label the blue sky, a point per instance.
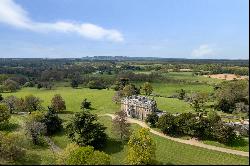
(156, 28)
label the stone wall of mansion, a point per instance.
(138, 106)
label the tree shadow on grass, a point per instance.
(8, 127)
(113, 146)
(238, 142)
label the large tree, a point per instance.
(141, 148)
(32, 103)
(57, 103)
(147, 88)
(198, 101)
(120, 125)
(84, 130)
(230, 93)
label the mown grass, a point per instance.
(170, 152)
(101, 100)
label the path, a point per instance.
(189, 142)
(53, 146)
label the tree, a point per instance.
(141, 148)
(84, 130)
(36, 130)
(10, 148)
(129, 90)
(32, 103)
(198, 101)
(152, 119)
(4, 113)
(213, 117)
(85, 104)
(74, 83)
(230, 93)
(147, 88)
(182, 94)
(88, 156)
(57, 103)
(10, 85)
(1, 97)
(166, 124)
(120, 125)
(224, 134)
(64, 155)
(11, 102)
(52, 122)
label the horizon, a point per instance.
(195, 29)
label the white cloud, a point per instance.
(203, 50)
(14, 15)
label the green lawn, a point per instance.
(170, 152)
(173, 105)
(101, 100)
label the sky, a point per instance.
(202, 29)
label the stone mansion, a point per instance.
(138, 106)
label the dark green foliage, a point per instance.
(181, 94)
(200, 127)
(52, 122)
(1, 97)
(85, 104)
(74, 83)
(84, 130)
(152, 119)
(230, 93)
(166, 124)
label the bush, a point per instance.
(52, 122)
(36, 131)
(224, 134)
(152, 119)
(10, 148)
(64, 155)
(166, 124)
(88, 156)
(85, 104)
(4, 113)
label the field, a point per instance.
(168, 152)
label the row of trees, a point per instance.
(210, 127)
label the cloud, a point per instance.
(14, 15)
(203, 50)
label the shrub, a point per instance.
(36, 130)
(152, 119)
(52, 122)
(10, 148)
(85, 104)
(88, 156)
(4, 113)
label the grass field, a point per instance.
(168, 152)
